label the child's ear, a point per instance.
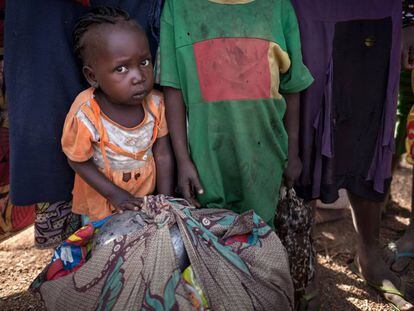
(90, 76)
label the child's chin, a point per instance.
(135, 101)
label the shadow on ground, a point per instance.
(335, 245)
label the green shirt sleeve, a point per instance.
(298, 77)
(167, 57)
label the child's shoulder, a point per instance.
(157, 98)
(155, 103)
(81, 102)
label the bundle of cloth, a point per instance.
(169, 256)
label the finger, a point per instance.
(192, 197)
(118, 210)
(137, 203)
(130, 205)
(186, 192)
(195, 203)
(195, 181)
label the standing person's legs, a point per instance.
(366, 215)
(404, 247)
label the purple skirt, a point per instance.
(352, 49)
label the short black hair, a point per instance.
(97, 16)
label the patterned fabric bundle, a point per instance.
(73, 252)
(237, 262)
(54, 223)
(293, 224)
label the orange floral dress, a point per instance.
(123, 154)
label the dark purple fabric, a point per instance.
(317, 19)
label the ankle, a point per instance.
(369, 249)
(368, 256)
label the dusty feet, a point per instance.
(374, 270)
(400, 254)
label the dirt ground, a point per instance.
(20, 262)
(335, 245)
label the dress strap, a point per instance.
(94, 113)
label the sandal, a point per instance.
(398, 302)
(398, 261)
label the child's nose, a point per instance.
(138, 77)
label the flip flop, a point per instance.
(394, 258)
(384, 290)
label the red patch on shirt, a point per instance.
(233, 68)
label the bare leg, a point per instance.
(366, 216)
(394, 163)
(406, 243)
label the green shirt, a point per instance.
(230, 62)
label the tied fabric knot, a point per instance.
(157, 208)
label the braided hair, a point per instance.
(97, 16)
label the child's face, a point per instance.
(119, 62)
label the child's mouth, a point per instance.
(139, 95)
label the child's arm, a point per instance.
(291, 121)
(119, 198)
(165, 165)
(188, 180)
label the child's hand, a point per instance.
(122, 200)
(189, 182)
(292, 171)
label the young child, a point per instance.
(225, 65)
(115, 135)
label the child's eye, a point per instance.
(121, 69)
(145, 62)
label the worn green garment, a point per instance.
(230, 62)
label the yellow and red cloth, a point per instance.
(72, 253)
(12, 218)
(409, 141)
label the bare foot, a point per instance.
(378, 275)
(404, 251)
